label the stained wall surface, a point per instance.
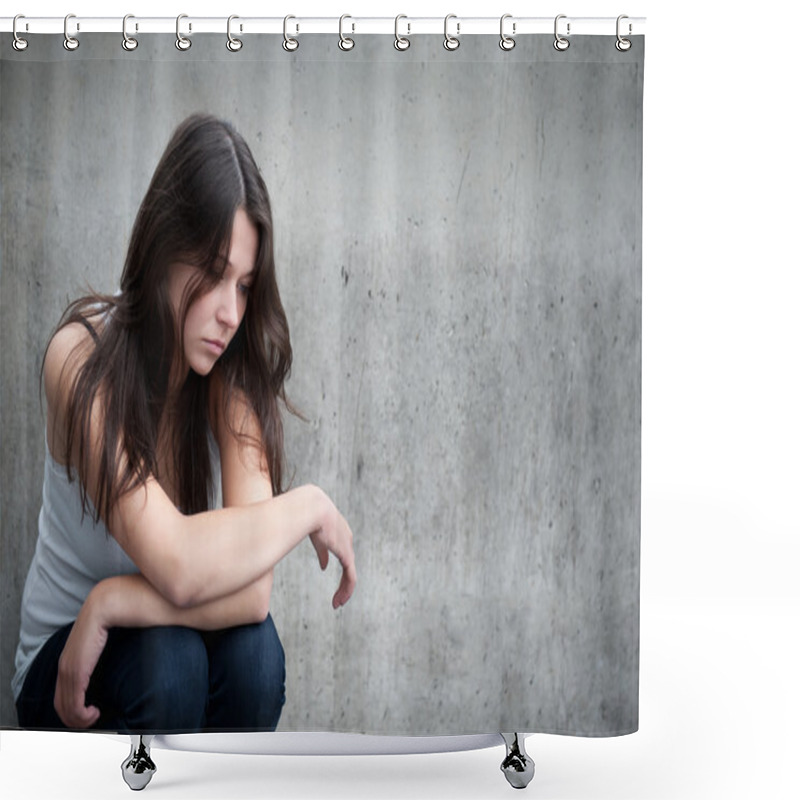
(458, 240)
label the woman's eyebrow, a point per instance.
(227, 263)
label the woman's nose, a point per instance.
(228, 308)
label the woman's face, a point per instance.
(214, 317)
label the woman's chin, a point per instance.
(202, 366)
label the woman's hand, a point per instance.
(335, 536)
(76, 665)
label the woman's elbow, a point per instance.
(180, 595)
(261, 599)
(259, 595)
(179, 586)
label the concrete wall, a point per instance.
(459, 246)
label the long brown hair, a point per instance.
(206, 173)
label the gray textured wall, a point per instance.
(458, 239)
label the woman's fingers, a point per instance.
(80, 655)
(347, 559)
(83, 716)
(70, 705)
(337, 538)
(347, 586)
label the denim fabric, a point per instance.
(169, 680)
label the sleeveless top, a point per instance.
(72, 555)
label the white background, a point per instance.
(720, 612)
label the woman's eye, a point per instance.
(244, 289)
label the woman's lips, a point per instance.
(215, 345)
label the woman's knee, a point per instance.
(255, 654)
(153, 679)
(247, 675)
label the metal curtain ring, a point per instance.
(289, 44)
(70, 42)
(622, 44)
(561, 43)
(345, 42)
(451, 42)
(400, 42)
(181, 42)
(19, 43)
(233, 44)
(128, 42)
(507, 42)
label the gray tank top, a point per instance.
(72, 555)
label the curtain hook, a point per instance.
(451, 42)
(561, 43)
(345, 43)
(128, 42)
(507, 42)
(289, 44)
(70, 42)
(181, 42)
(623, 44)
(233, 44)
(19, 43)
(400, 42)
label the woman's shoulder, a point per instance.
(66, 352)
(71, 339)
(72, 334)
(79, 329)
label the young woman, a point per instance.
(145, 608)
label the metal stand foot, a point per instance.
(138, 768)
(518, 766)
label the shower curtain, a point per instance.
(458, 245)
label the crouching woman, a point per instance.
(146, 607)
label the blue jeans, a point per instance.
(170, 680)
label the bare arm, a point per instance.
(191, 560)
(131, 601)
